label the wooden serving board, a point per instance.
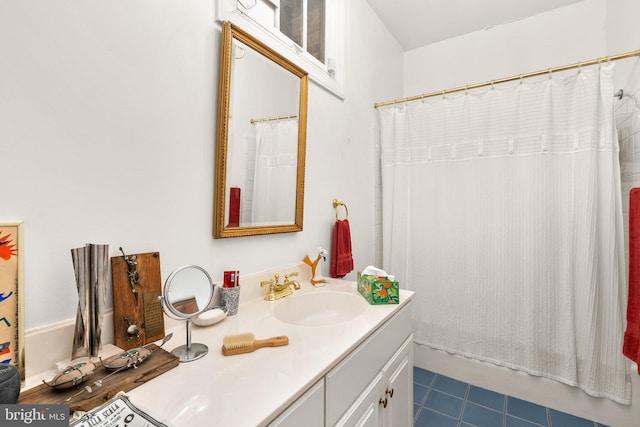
(144, 311)
(158, 363)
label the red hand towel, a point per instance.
(341, 257)
(631, 347)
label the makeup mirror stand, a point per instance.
(190, 351)
(187, 293)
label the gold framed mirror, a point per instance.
(261, 139)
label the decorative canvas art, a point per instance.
(11, 285)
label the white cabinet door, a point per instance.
(307, 411)
(366, 410)
(346, 381)
(398, 379)
(388, 399)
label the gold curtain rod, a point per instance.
(271, 119)
(512, 78)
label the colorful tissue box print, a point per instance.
(378, 289)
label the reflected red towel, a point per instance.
(631, 347)
(341, 257)
(234, 207)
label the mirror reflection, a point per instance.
(261, 139)
(187, 292)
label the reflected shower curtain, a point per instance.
(274, 183)
(502, 210)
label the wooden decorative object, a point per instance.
(137, 316)
(82, 400)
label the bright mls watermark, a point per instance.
(34, 415)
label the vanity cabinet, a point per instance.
(387, 352)
(387, 400)
(365, 411)
(371, 386)
(398, 387)
(307, 410)
(333, 373)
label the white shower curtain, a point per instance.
(274, 181)
(502, 210)
(627, 116)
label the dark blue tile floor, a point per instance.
(440, 401)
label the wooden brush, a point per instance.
(246, 343)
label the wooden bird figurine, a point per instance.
(314, 266)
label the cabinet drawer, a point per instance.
(350, 377)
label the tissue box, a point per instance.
(378, 289)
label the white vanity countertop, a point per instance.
(252, 389)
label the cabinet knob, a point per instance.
(389, 391)
(383, 402)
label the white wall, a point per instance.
(563, 36)
(578, 32)
(107, 130)
(623, 35)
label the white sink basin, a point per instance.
(319, 308)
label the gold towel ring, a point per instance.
(336, 204)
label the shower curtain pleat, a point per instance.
(502, 210)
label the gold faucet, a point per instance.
(293, 283)
(279, 290)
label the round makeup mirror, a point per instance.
(187, 292)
